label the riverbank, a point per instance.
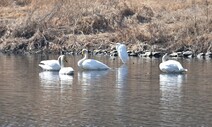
(37, 26)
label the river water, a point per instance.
(132, 95)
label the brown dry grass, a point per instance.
(69, 24)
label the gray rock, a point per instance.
(201, 55)
(148, 54)
(208, 54)
(188, 54)
(142, 55)
(133, 54)
(174, 54)
(156, 54)
(96, 52)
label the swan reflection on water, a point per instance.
(121, 83)
(49, 77)
(169, 81)
(121, 75)
(91, 77)
(52, 79)
(171, 84)
(171, 95)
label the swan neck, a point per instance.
(61, 61)
(59, 58)
(164, 58)
(83, 59)
(117, 46)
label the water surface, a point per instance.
(136, 94)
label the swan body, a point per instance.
(122, 52)
(65, 70)
(50, 65)
(171, 66)
(91, 64)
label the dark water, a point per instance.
(134, 95)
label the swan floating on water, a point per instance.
(122, 52)
(65, 70)
(171, 66)
(91, 64)
(50, 65)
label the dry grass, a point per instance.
(160, 24)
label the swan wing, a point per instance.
(52, 65)
(179, 65)
(91, 64)
(122, 53)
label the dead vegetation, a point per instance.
(70, 25)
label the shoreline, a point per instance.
(112, 52)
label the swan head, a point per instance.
(84, 51)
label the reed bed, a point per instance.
(70, 25)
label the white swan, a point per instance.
(65, 70)
(122, 52)
(50, 65)
(91, 64)
(171, 66)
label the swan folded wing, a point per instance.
(91, 64)
(122, 53)
(66, 71)
(179, 65)
(50, 65)
(171, 66)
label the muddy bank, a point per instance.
(68, 26)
